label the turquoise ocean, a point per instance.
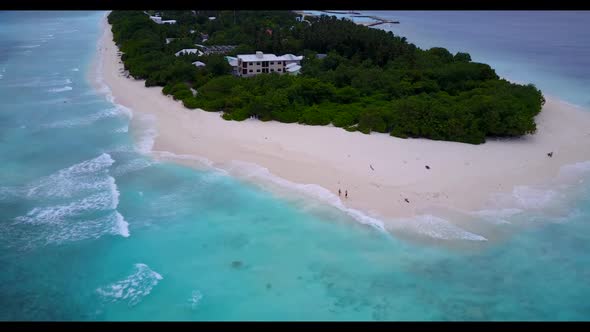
(93, 228)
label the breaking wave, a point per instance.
(133, 288)
(147, 134)
(91, 215)
(87, 175)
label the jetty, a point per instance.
(340, 12)
(351, 14)
(378, 20)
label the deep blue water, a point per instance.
(93, 229)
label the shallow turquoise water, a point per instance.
(91, 229)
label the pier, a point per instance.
(340, 12)
(375, 18)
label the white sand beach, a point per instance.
(379, 171)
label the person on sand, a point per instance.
(550, 154)
(339, 192)
(346, 194)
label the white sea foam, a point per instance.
(249, 170)
(87, 175)
(55, 224)
(59, 213)
(89, 179)
(28, 46)
(435, 227)
(134, 287)
(56, 233)
(62, 89)
(147, 134)
(75, 69)
(121, 226)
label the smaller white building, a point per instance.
(158, 20)
(187, 51)
(199, 64)
(233, 62)
(169, 40)
(293, 68)
(211, 18)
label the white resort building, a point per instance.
(253, 64)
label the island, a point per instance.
(431, 138)
(328, 71)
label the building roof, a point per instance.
(291, 57)
(259, 56)
(199, 64)
(292, 69)
(232, 61)
(189, 51)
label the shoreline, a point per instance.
(379, 171)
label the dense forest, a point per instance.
(370, 80)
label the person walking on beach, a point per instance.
(346, 194)
(339, 192)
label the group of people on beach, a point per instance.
(345, 193)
